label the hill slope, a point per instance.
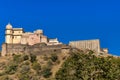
(81, 66)
(76, 65)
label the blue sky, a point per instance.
(66, 19)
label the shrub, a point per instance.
(25, 69)
(24, 77)
(49, 63)
(17, 58)
(25, 57)
(36, 66)
(54, 57)
(26, 63)
(11, 69)
(47, 73)
(32, 58)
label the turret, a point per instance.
(40, 32)
(8, 37)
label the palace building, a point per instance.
(19, 36)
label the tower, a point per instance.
(8, 34)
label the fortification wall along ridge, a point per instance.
(37, 49)
(87, 44)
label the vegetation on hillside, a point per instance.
(81, 66)
(76, 65)
(27, 67)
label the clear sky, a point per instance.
(66, 19)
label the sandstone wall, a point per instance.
(37, 49)
(87, 44)
(33, 39)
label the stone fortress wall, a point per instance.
(86, 44)
(93, 45)
(37, 49)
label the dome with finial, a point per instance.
(8, 26)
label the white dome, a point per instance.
(9, 26)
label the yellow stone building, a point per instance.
(19, 36)
(13, 35)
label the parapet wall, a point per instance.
(86, 44)
(37, 49)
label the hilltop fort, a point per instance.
(17, 41)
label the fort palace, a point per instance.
(18, 36)
(17, 41)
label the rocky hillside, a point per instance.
(76, 65)
(31, 67)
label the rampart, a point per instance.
(87, 44)
(37, 49)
